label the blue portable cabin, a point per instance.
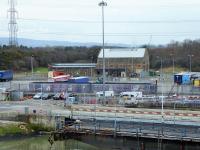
(183, 78)
(6, 75)
(178, 78)
(186, 78)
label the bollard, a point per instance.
(99, 126)
(115, 128)
(142, 146)
(119, 128)
(138, 139)
(182, 147)
(95, 126)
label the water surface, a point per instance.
(92, 143)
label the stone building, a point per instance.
(123, 62)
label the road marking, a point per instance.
(180, 114)
(125, 111)
(168, 113)
(135, 112)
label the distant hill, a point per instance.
(43, 43)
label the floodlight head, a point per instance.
(102, 4)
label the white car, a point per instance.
(37, 96)
(130, 94)
(162, 97)
(107, 94)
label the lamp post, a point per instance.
(172, 55)
(83, 94)
(102, 4)
(91, 67)
(161, 79)
(174, 111)
(32, 65)
(41, 95)
(95, 113)
(161, 61)
(115, 123)
(190, 57)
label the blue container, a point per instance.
(182, 78)
(178, 78)
(79, 80)
(6, 75)
(186, 79)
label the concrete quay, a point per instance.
(178, 125)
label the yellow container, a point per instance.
(197, 83)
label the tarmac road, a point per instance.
(46, 107)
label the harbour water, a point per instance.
(91, 143)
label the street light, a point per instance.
(32, 64)
(174, 111)
(161, 77)
(91, 67)
(172, 55)
(102, 4)
(84, 94)
(190, 57)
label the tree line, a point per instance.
(19, 58)
(180, 52)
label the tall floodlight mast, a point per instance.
(102, 4)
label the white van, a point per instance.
(130, 97)
(131, 94)
(107, 94)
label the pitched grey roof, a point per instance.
(123, 53)
(73, 65)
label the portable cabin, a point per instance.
(182, 78)
(197, 82)
(178, 78)
(186, 78)
(6, 75)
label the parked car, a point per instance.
(133, 75)
(58, 96)
(107, 94)
(37, 96)
(71, 100)
(72, 95)
(46, 96)
(130, 94)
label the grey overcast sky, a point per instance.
(126, 21)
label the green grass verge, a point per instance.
(28, 128)
(38, 127)
(176, 69)
(10, 130)
(40, 70)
